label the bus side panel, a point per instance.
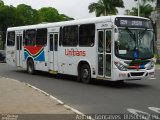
(39, 56)
(42, 64)
(69, 58)
(11, 55)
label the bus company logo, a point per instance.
(73, 52)
(35, 52)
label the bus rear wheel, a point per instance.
(85, 74)
(30, 67)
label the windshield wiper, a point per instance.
(131, 34)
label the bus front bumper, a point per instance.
(133, 74)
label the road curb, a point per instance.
(50, 96)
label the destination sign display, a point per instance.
(133, 22)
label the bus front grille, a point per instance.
(137, 73)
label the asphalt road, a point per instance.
(101, 97)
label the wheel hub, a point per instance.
(85, 73)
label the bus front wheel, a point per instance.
(85, 74)
(30, 67)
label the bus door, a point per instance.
(104, 53)
(53, 51)
(19, 56)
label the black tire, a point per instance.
(30, 67)
(85, 74)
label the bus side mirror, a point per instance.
(116, 33)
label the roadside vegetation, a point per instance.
(11, 16)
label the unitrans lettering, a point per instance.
(74, 53)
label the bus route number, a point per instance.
(123, 22)
(137, 23)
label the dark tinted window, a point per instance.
(108, 41)
(19, 42)
(51, 42)
(11, 38)
(61, 36)
(55, 42)
(24, 34)
(86, 35)
(30, 37)
(41, 37)
(70, 36)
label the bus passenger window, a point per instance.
(30, 37)
(41, 37)
(86, 35)
(10, 38)
(70, 35)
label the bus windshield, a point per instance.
(135, 44)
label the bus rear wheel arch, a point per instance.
(30, 66)
(84, 72)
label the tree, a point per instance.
(1, 3)
(49, 14)
(157, 31)
(105, 7)
(157, 2)
(145, 9)
(1, 33)
(26, 15)
(64, 17)
(7, 19)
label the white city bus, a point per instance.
(111, 48)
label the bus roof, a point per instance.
(72, 22)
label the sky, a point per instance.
(77, 9)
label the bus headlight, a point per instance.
(120, 66)
(151, 65)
